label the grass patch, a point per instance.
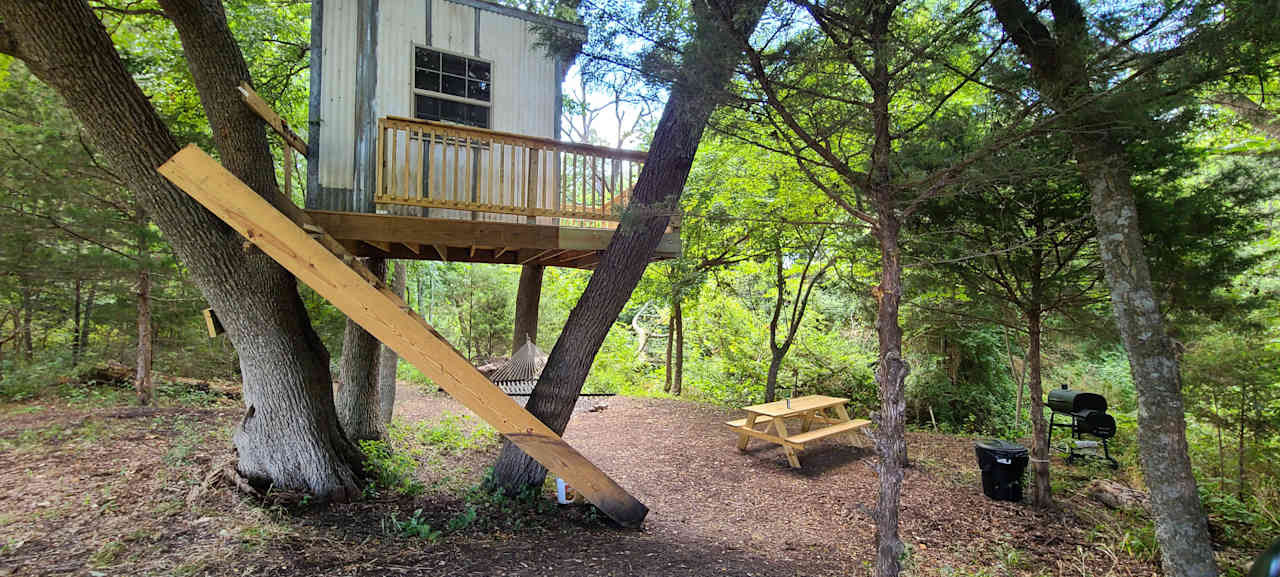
(390, 470)
(108, 554)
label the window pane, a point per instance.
(479, 115)
(478, 90)
(454, 85)
(456, 65)
(426, 108)
(478, 70)
(429, 59)
(426, 80)
(453, 111)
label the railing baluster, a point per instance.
(382, 161)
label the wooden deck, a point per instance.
(415, 237)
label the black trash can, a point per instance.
(1002, 464)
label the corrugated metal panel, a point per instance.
(524, 77)
(337, 106)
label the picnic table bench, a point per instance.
(809, 409)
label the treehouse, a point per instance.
(434, 136)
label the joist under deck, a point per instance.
(320, 261)
(415, 237)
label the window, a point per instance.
(450, 88)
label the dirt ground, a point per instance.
(104, 491)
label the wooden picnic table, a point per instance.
(810, 409)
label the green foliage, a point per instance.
(415, 526)
(390, 470)
(966, 383)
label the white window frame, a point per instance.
(415, 91)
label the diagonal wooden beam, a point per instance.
(319, 263)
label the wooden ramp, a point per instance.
(323, 264)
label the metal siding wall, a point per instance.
(524, 76)
(452, 27)
(400, 27)
(337, 106)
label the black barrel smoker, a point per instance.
(1086, 414)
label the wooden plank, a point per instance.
(443, 251)
(264, 111)
(738, 423)
(413, 246)
(517, 139)
(795, 406)
(384, 315)
(828, 431)
(382, 246)
(212, 324)
(787, 447)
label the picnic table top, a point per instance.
(798, 405)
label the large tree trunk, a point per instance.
(1058, 60)
(1041, 492)
(289, 436)
(1181, 526)
(708, 65)
(359, 402)
(389, 361)
(528, 296)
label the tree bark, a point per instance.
(359, 401)
(389, 362)
(1041, 491)
(142, 385)
(1181, 526)
(528, 296)
(671, 337)
(1058, 61)
(77, 305)
(677, 379)
(289, 436)
(708, 65)
(86, 321)
(26, 299)
(892, 369)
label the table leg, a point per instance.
(807, 423)
(781, 426)
(843, 415)
(743, 437)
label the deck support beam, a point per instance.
(320, 263)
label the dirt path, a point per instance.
(104, 492)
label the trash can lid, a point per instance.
(1002, 447)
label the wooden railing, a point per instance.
(471, 173)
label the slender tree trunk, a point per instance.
(671, 338)
(142, 385)
(86, 319)
(677, 380)
(24, 328)
(289, 436)
(359, 402)
(528, 296)
(1240, 454)
(771, 381)
(1041, 491)
(708, 66)
(389, 362)
(1217, 425)
(892, 369)
(77, 305)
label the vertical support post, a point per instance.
(530, 195)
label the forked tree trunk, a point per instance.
(528, 296)
(359, 401)
(289, 436)
(389, 362)
(708, 66)
(1041, 491)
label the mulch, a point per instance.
(713, 510)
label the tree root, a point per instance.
(222, 471)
